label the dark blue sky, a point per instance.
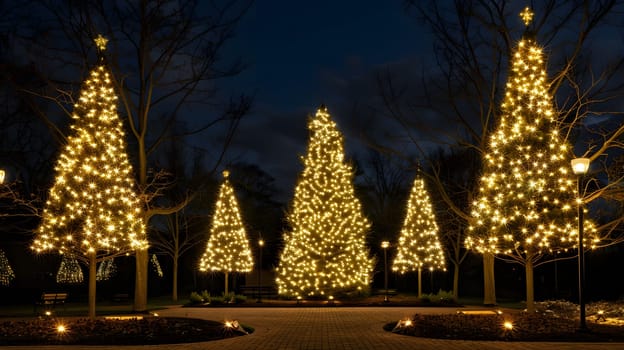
(302, 54)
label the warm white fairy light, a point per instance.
(69, 271)
(156, 265)
(526, 15)
(93, 206)
(6, 272)
(419, 246)
(325, 249)
(527, 192)
(106, 270)
(228, 248)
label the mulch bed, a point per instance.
(149, 330)
(526, 327)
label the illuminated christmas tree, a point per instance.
(106, 270)
(228, 247)
(69, 272)
(526, 204)
(419, 247)
(325, 251)
(6, 272)
(93, 211)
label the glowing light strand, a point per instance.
(419, 246)
(325, 249)
(228, 248)
(527, 193)
(92, 206)
(6, 272)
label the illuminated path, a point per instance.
(340, 328)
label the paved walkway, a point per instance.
(340, 328)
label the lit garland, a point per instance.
(228, 247)
(106, 270)
(419, 246)
(325, 250)
(69, 272)
(6, 272)
(527, 193)
(156, 266)
(92, 206)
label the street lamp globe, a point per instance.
(580, 165)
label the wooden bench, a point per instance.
(382, 291)
(255, 291)
(121, 297)
(48, 301)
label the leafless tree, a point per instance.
(168, 59)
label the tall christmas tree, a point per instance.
(527, 196)
(228, 247)
(419, 246)
(93, 211)
(325, 250)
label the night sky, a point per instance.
(302, 54)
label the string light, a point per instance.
(69, 272)
(527, 193)
(106, 270)
(6, 272)
(92, 207)
(419, 246)
(325, 249)
(156, 266)
(228, 248)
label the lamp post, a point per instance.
(385, 245)
(580, 167)
(260, 245)
(2, 173)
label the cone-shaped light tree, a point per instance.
(228, 247)
(419, 246)
(93, 211)
(6, 272)
(525, 207)
(325, 249)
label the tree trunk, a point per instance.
(455, 281)
(419, 282)
(489, 289)
(226, 284)
(174, 292)
(530, 300)
(92, 277)
(140, 285)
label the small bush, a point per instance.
(445, 297)
(239, 299)
(206, 296)
(195, 298)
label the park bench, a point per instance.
(121, 297)
(48, 301)
(254, 291)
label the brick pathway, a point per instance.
(357, 328)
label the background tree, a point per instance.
(168, 58)
(228, 247)
(325, 248)
(418, 245)
(527, 196)
(93, 211)
(454, 169)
